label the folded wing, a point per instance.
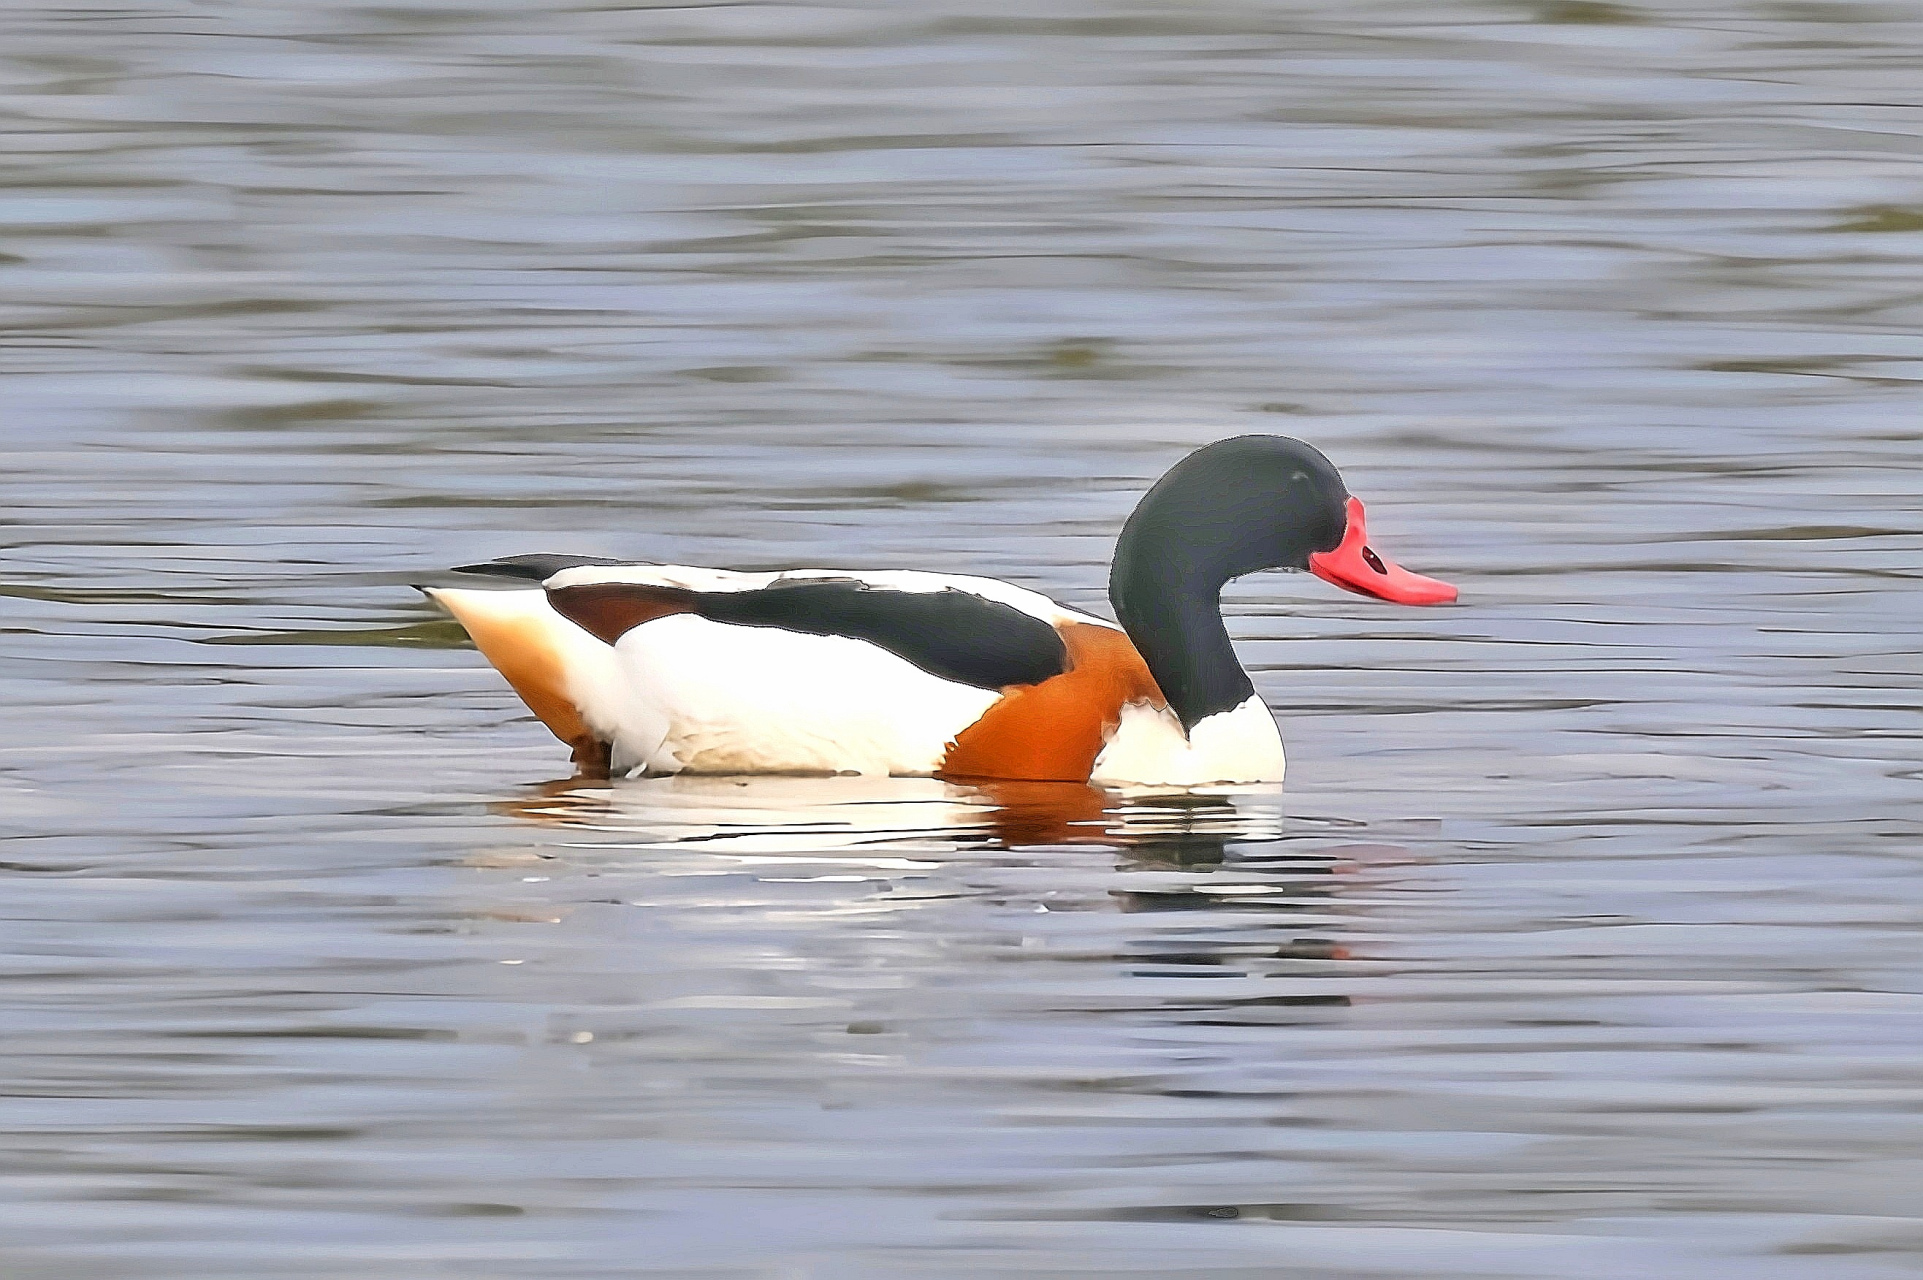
(950, 633)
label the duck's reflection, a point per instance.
(1256, 897)
(1170, 829)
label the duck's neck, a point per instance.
(1168, 597)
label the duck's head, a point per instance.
(1253, 503)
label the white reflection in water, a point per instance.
(810, 814)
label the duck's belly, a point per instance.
(708, 697)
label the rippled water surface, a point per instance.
(1583, 943)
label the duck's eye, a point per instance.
(1374, 560)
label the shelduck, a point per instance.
(661, 669)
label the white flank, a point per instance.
(1241, 744)
(726, 699)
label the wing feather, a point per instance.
(949, 633)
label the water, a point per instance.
(1582, 943)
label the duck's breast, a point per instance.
(1055, 729)
(1149, 748)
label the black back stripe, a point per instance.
(955, 635)
(539, 567)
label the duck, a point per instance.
(647, 669)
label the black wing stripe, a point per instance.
(956, 635)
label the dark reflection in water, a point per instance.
(1582, 944)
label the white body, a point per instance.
(683, 694)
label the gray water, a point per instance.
(1583, 942)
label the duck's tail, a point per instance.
(553, 664)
